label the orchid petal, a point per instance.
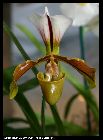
(20, 70)
(13, 89)
(80, 66)
(23, 68)
(80, 13)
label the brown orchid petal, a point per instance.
(23, 68)
(81, 66)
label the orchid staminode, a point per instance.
(51, 81)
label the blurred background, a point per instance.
(18, 13)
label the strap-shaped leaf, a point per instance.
(18, 45)
(32, 38)
(69, 104)
(58, 121)
(86, 93)
(29, 113)
(80, 66)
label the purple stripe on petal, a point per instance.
(51, 32)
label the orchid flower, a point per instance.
(93, 26)
(51, 81)
(81, 13)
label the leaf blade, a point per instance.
(31, 37)
(85, 93)
(58, 121)
(69, 104)
(29, 113)
(18, 45)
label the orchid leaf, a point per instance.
(43, 115)
(74, 129)
(7, 121)
(51, 129)
(58, 121)
(15, 40)
(31, 37)
(9, 131)
(91, 101)
(18, 45)
(24, 105)
(28, 85)
(29, 113)
(69, 104)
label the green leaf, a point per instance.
(69, 104)
(32, 38)
(15, 40)
(18, 45)
(28, 85)
(74, 129)
(43, 115)
(70, 128)
(9, 131)
(51, 130)
(29, 113)
(58, 121)
(23, 103)
(7, 121)
(85, 93)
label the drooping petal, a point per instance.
(22, 69)
(13, 89)
(80, 13)
(80, 66)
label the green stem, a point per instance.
(43, 115)
(58, 121)
(82, 49)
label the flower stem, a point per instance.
(43, 115)
(82, 49)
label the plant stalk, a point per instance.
(82, 50)
(43, 115)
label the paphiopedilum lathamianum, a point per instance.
(51, 81)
